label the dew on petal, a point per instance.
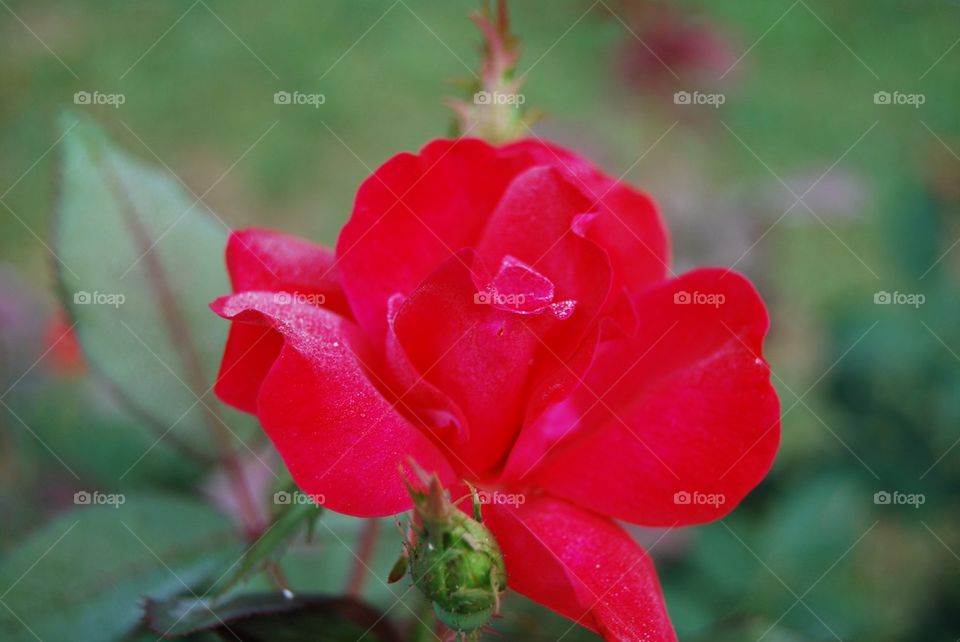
(563, 309)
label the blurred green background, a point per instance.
(870, 391)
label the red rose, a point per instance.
(503, 316)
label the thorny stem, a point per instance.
(253, 524)
(494, 111)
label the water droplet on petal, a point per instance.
(563, 309)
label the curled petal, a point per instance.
(270, 261)
(631, 231)
(626, 221)
(340, 438)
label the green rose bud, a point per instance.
(454, 560)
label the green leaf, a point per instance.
(84, 576)
(271, 616)
(146, 635)
(140, 260)
(120, 438)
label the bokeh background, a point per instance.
(824, 193)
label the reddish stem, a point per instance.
(179, 332)
(366, 542)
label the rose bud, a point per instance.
(454, 559)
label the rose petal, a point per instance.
(410, 215)
(338, 435)
(416, 210)
(687, 422)
(249, 355)
(631, 231)
(415, 394)
(478, 355)
(534, 225)
(582, 566)
(538, 222)
(550, 411)
(628, 225)
(541, 152)
(266, 260)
